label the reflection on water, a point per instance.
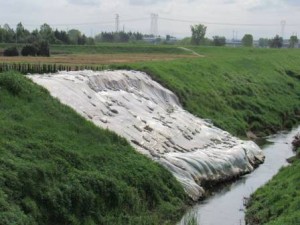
(226, 207)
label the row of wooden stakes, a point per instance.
(26, 68)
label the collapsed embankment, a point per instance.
(58, 168)
(150, 117)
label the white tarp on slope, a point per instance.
(152, 120)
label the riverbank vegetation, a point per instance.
(278, 202)
(58, 168)
(240, 90)
(245, 91)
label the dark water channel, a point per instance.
(226, 206)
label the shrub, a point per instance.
(12, 51)
(43, 49)
(29, 50)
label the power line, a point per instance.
(87, 23)
(223, 24)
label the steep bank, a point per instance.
(239, 89)
(149, 116)
(57, 168)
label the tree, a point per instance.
(276, 42)
(74, 35)
(293, 41)
(247, 40)
(82, 40)
(219, 41)
(198, 33)
(43, 49)
(47, 33)
(263, 42)
(34, 37)
(9, 34)
(29, 50)
(1, 34)
(62, 37)
(12, 51)
(21, 33)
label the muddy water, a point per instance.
(226, 206)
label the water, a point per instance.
(226, 206)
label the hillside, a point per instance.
(57, 168)
(240, 90)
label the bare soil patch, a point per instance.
(95, 59)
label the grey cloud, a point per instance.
(292, 2)
(269, 4)
(85, 2)
(229, 1)
(145, 2)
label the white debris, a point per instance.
(150, 117)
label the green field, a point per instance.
(57, 168)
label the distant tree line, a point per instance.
(45, 33)
(39, 48)
(198, 38)
(277, 42)
(71, 37)
(118, 37)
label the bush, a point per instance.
(12, 51)
(43, 49)
(29, 50)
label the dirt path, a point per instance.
(95, 59)
(191, 51)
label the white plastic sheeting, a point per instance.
(150, 117)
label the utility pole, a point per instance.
(154, 24)
(282, 23)
(117, 21)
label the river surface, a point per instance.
(226, 206)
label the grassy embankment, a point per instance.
(57, 168)
(240, 90)
(278, 202)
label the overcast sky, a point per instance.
(262, 18)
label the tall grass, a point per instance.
(278, 202)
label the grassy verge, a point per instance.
(57, 168)
(240, 90)
(114, 48)
(278, 202)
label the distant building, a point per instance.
(234, 43)
(157, 39)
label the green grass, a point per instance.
(117, 48)
(58, 168)
(107, 48)
(278, 202)
(238, 89)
